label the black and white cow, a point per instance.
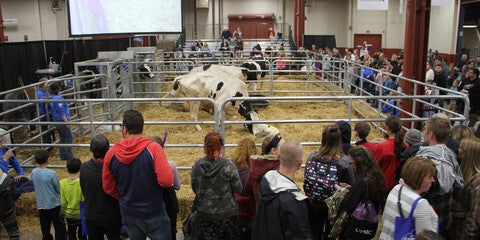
(208, 84)
(254, 70)
(222, 71)
(257, 129)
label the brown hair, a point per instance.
(440, 127)
(213, 144)
(331, 143)
(362, 129)
(415, 169)
(394, 123)
(470, 150)
(246, 147)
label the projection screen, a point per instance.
(104, 17)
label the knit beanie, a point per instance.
(413, 136)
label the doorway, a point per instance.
(374, 39)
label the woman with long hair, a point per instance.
(214, 181)
(466, 205)
(324, 169)
(369, 183)
(387, 153)
(245, 149)
(246, 207)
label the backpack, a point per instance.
(363, 222)
(320, 178)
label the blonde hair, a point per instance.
(246, 147)
(470, 150)
(266, 142)
(460, 132)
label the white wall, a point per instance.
(443, 28)
(324, 17)
(328, 17)
(35, 19)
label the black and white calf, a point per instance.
(254, 70)
(257, 129)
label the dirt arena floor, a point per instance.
(178, 134)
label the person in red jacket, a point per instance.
(361, 131)
(135, 171)
(387, 154)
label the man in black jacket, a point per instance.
(283, 212)
(101, 210)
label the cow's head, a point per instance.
(244, 109)
(147, 71)
(176, 87)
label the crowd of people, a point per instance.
(256, 195)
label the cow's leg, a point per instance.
(194, 107)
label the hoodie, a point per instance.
(283, 211)
(214, 184)
(259, 165)
(449, 174)
(98, 205)
(346, 134)
(135, 171)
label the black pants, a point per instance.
(49, 216)
(9, 221)
(321, 227)
(97, 228)
(74, 229)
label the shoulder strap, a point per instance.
(413, 207)
(398, 202)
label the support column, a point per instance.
(2, 32)
(415, 50)
(301, 21)
(295, 21)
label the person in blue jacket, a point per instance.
(9, 158)
(44, 111)
(61, 113)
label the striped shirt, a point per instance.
(424, 216)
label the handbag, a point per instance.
(191, 226)
(363, 222)
(405, 226)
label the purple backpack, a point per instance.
(363, 222)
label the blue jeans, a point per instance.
(156, 228)
(66, 137)
(46, 137)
